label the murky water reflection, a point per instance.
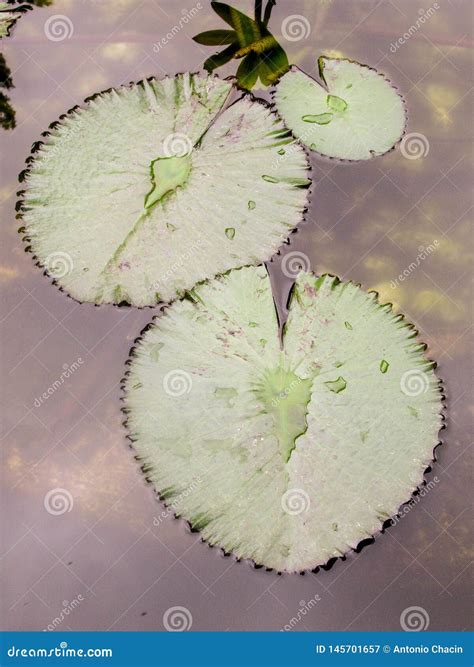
(368, 222)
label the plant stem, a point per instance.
(268, 11)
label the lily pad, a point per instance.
(131, 198)
(264, 448)
(354, 114)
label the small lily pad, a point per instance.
(354, 113)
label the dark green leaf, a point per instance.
(273, 62)
(261, 45)
(216, 37)
(5, 74)
(226, 12)
(246, 28)
(262, 56)
(247, 73)
(7, 113)
(221, 58)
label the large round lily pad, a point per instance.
(287, 456)
(354, 114)
(154, 187)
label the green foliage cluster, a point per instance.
(7, 112)
(250, 41)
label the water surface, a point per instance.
(114, 551)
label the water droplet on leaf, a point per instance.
(319, 119)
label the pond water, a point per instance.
(108, 553)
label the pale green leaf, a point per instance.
(362, 116)
(130, 197)
(266, 450)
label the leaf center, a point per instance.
(285, 396)
(167, 174)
